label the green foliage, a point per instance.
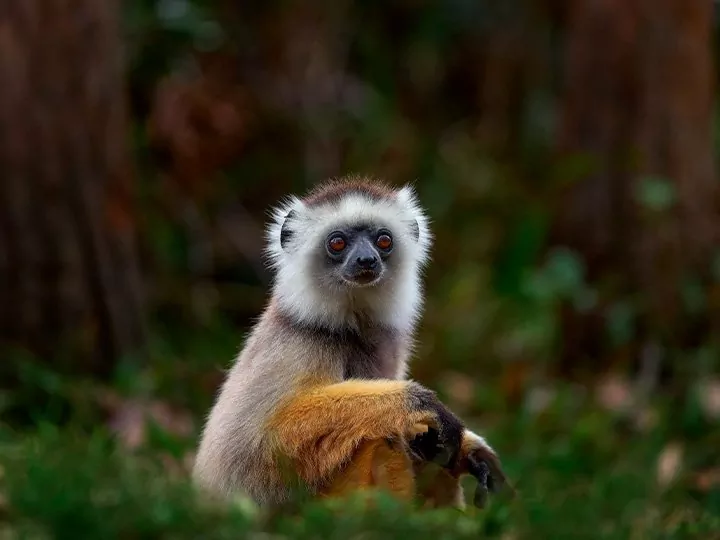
(655, 194)
(581, 472)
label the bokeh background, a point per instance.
(566, 152)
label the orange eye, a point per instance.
(384, 242)
(337, 244)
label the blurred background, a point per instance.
(566, 152)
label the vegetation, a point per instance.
(565, 150)
(582, 473)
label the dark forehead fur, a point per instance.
(370, 353)
(333, 190)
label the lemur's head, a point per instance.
(348, 241)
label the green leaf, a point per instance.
(655, 193)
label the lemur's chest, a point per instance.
(371, 354)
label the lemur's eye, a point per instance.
(384, 242)
(337, 244)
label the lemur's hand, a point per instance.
(473, 456)
(442, 441)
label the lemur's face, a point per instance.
(359, 256)
(350, 235)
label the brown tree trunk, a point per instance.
(638, 101)
(69, 279)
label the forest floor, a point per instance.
(582, 470)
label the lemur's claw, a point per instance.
(489, 475)
(481, 471)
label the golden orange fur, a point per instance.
(322, 428)
(354, 435)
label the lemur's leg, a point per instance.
(378, 464)
(320, 429)
(437, 487)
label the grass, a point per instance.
(582, 472)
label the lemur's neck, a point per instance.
(365, 349)
(394, 305)
(334, 313)
(335, 317)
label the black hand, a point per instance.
(428, 447)
(442, 445)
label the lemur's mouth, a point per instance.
(363, 278)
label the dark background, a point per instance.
(566, 152)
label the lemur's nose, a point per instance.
(367, 262)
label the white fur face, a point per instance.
(305, 285)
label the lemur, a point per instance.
(321, 383)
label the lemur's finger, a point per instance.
(495, 475)
(444, 456)
(498, 478)
(480, 497)
(477, 450)
(481, 471)
(426, 446)
(418, 429)
(432, 446)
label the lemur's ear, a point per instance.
(281, 229)
(419, 223)
(415, 229)
(286, 233)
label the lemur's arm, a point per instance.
(320, 429)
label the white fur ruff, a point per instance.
(396, 302)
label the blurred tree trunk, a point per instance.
(69, 278)
(638, 100)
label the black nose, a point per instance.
(367, 262)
